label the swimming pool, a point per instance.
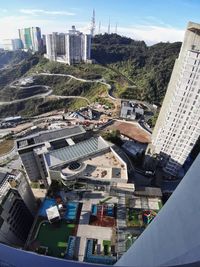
(71, 210)
(94, 209)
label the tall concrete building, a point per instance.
(70, 48)
(31, 38)
(178, 125)
(12, 44)
(17, 207)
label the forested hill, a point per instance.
(8, 58)
(112, 48)
(149, 68)
(135, 71)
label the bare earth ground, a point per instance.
(131, 130)
(6, 146)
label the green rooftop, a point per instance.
(55, 237)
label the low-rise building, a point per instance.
(134, 148)
(70, 156)
(31, 148)
(91, 161)
(131, 110)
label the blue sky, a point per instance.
(148, 20)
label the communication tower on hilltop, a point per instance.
(92, 29)
(116, 28)
(109, 26)
(99, 31)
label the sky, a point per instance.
(150, 20)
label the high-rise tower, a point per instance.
(31, 38)
(70, 48)
(178, 125)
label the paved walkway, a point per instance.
(121, 225)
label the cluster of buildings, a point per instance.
(131, 110)
(76, 159)
(29, 39)
(70, 48)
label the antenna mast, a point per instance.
(99, 31)
(116, 28)
(109, 26)
(92, 29)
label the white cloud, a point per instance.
(36, 12)
(13, 23)
(150, 34)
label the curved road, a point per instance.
(50, 91)
(101, 81)
(30, 97)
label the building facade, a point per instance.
(17, 208)
(178, 126)
(31, 38)
(71, 48)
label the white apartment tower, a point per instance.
(70, 48)
(178, 125)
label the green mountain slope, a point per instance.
(134, 70)
(148, 68)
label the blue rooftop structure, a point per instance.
(47, 203)
(71, 210)
(71, 247)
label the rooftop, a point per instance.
(52, 213)
(148, 191)
(76, 151)
(46, 136)
(105, 166)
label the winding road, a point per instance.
(49, 93)
(43, 95)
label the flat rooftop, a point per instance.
(145, 203)
(52, 213)
(76, 151)
(47, 136)
(105, 166)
